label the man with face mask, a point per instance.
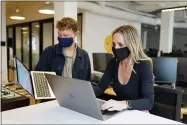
(66, 58)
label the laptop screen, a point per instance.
(23, 76)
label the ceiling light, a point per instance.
(173, 9)
(47, 9)
(24, 28)
(37, 26)
(17, 16)
(25, 32)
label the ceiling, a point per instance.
(149, 7)
(27, 8)
(153, 7)
(30, 9)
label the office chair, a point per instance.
(167, 103)
(165, 70)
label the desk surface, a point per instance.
(51, 112)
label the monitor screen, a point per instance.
(165, 70)
(100, 61)
(23, 76)
(182, 72)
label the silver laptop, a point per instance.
(78, 95)
(34, 82)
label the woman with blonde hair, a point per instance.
(130, 71)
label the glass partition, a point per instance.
(35, 44)
(47, 34)
(25, 44)
(18, 43)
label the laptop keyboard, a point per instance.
(42, 88)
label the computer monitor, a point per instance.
(23, 77)
(151, 52)
(100, 61)
(165, 70)
(182, 70)
(166, 55)
(173, 54)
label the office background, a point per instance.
(39, 28)
(163, 34)
(27, 38)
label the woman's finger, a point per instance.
(112, 109)
(106, 105)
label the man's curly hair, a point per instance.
(67, 23)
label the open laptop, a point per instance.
(34, 82)
(78, 95)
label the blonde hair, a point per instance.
(133, 42)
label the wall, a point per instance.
(96, 28)
(3, 54)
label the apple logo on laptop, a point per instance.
(71, 96)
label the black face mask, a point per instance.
(121, 54)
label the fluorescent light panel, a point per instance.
(24, 28)
(47, 11)
(17, 18)
(173, 9)
(37, 26)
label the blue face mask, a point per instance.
(65, 42)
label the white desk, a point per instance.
(52, 113)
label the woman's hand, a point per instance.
(113, 105)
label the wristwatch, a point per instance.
(129, 105)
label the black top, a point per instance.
(139, 90)
(52, 59)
